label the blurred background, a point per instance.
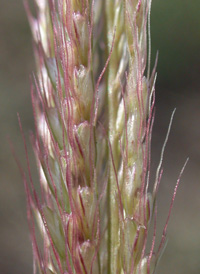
(175, 26)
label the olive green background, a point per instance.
(176, 34)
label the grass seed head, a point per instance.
(93, 103)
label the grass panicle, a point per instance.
(93, 101)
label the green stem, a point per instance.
(112, 100)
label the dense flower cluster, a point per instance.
(93, 108)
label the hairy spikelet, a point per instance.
(93, 102)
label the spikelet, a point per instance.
(93, 108)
